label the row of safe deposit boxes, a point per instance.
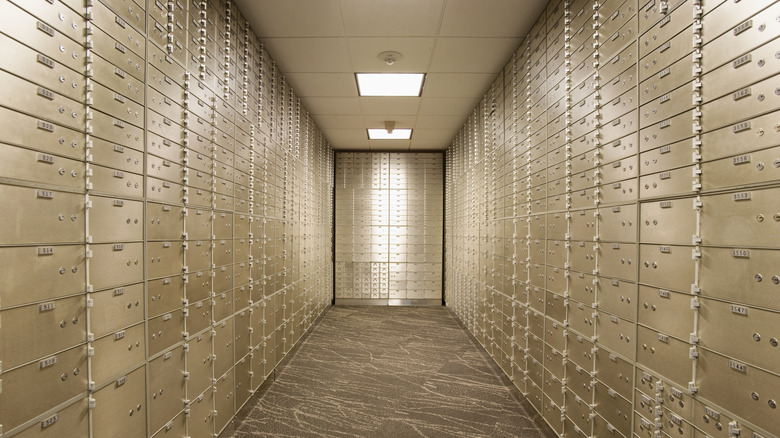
(628, 161)
(389, 212)
(160, 179)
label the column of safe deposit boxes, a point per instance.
(613, 218)
(389, 212)
(165, 235)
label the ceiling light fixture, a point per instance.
(390, 84)
(386, 134)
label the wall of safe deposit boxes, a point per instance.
(613, 218)
(389, 226)
(166, 229)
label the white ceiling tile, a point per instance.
(389, 18)
(346, 138)
(326, 121)
(494, 18)
(415, 52)
(389, 105)
(310, 54)
(432, 138)
(378, 121)
(472, 55)
(389, 145)
(457, 84)
(323, 84)
(332, 105)
(448, 106)
(452, 123)
(299, 18)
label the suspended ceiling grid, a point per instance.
(320, 44)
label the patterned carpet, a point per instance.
(388, 372)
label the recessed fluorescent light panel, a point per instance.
(382, 134)
(390, 84)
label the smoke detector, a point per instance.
(390, 57)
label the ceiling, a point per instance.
(462, 45)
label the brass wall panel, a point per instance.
(202, 412)
(165, 331)
(116, 182)
(615, 409)
(22, 26)
(23, 130)
(223, 399)
(583, 256)
(116, 220)
(165, 148)
(120, 307)
(670, 50)
(72, 419)
(618, 223)
(173, 428)
(223, 346)
(744, 35)
(117, 352)
(27, 165)
(752, 134)
(669, 78)
(750, 212)
(39, 386)
(116, 156)
(51, 272)
(59, 325)
(667, 310)
(164, 258)
(42, 216)
(106, 20)
(740, 72)
(164, 295)
(741, 275)
(744, 333)
(667, 157)
(165, 191)
(117, 54)
(616, 334)
(667, 266)
(120, 406)
(745, 103)
(616, 373)
(747, 169)
(116, 264)
(42, 70)
(582, 287)
(166, 387)
(42, 102)
(615, 40)
(618, 298)
(736, 382)
(656, 350)
(165, 105)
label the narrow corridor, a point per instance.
(389, 372)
